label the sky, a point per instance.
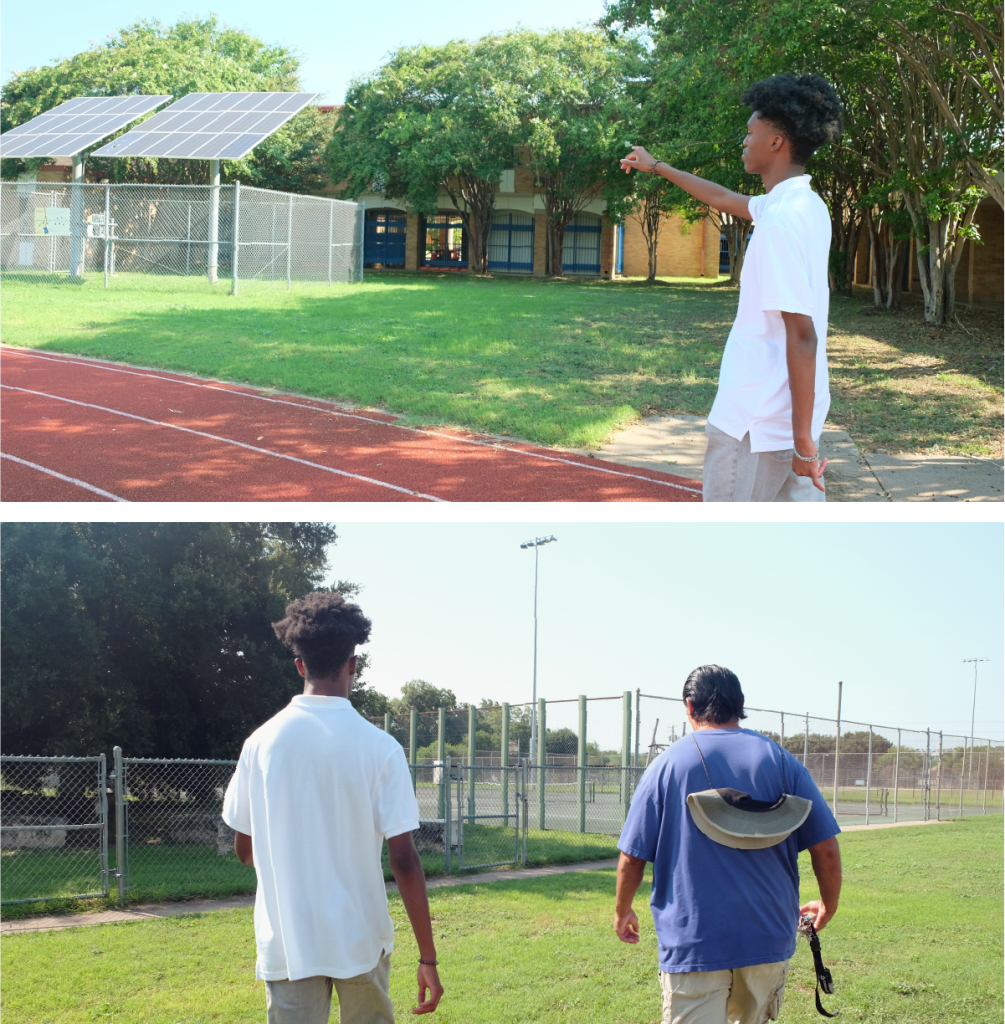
(890, 610)
(337, 42)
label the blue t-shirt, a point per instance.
(716, 908)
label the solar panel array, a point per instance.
(210, 126)
(75, 125)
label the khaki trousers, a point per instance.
(746, 995)
(732, 472)
(361, 1000)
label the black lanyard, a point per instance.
(824, 980)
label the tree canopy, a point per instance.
(153, 636)
(150, 58)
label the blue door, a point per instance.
(511, 241)
(581, 247)
(446, 242)
(384, 238)
(723, 254)
(620, 269)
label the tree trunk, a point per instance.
(736, 238)
(557, 233)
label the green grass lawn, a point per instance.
(917, 940)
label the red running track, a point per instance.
(78, 429)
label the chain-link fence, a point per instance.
(53, 828)
(59, 232)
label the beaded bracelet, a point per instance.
(803, 458)
(428, 963)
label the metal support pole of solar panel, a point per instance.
(120, 823)
(77, 218)
(108, 209)
(214, 220)
(237, 234)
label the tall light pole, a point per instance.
(973, 711)
(535, 544)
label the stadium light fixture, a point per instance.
(973, 712)
(536, 543)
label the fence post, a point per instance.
(472, 758)
(987, 762)
(387, 721)
(103, 809)
(962, 773)
(331, 215)
(896, 778)
(806, 740)
(638, 723)
(188, 241)
(626, 750)
(782, 744)
(413, 739)
(441, 750)
(581, 760)
(938, 791)
(120, 823)
(868, 776)
(360, 220)
(504, 762)
(77, 242)
(108, 213)
(837, 750)
(214, 220)
(237, 234)
(447, 810)
(928, 772)
(289, 245)
(542, 756)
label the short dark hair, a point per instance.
(323, 629)
(806, 110)
(715, 694)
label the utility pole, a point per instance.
(536, 543)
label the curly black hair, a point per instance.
(806, 110)
(715, 694)
(323, 629)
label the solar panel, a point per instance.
(210, 126)
(75, 125)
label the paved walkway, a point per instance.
(153, 910)
(676, 444)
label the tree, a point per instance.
(427, 699)
(434, 118)
(577, 105)
(189, 56)
(153, 636)
(655, 200)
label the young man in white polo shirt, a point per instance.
(773, 394)
(315, 793)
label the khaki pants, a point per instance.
(361, 1000)
(732, 472)
(746, 995)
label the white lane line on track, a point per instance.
(68, 479)
(365, 419)
(227, 440)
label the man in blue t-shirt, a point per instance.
(725, 917)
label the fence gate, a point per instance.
(53, 828)
(489, 812)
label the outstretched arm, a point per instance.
(630, 872)
(706, 192)
(407, 870)
(826, 860)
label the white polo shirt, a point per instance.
(318, 788)
(784, 270)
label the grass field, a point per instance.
(917, 940)
(555, 362)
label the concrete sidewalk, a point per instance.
(153, 910)
(676, 444)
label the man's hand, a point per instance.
(826, 860)
(627, 926)
(640, 159)
(429, 981)
(810, 469)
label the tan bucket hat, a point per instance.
(731, 817)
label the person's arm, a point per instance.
(242, 847)
(707, 192)
(826, 860)
(801, 357)
(630, 872)
(407, 870)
